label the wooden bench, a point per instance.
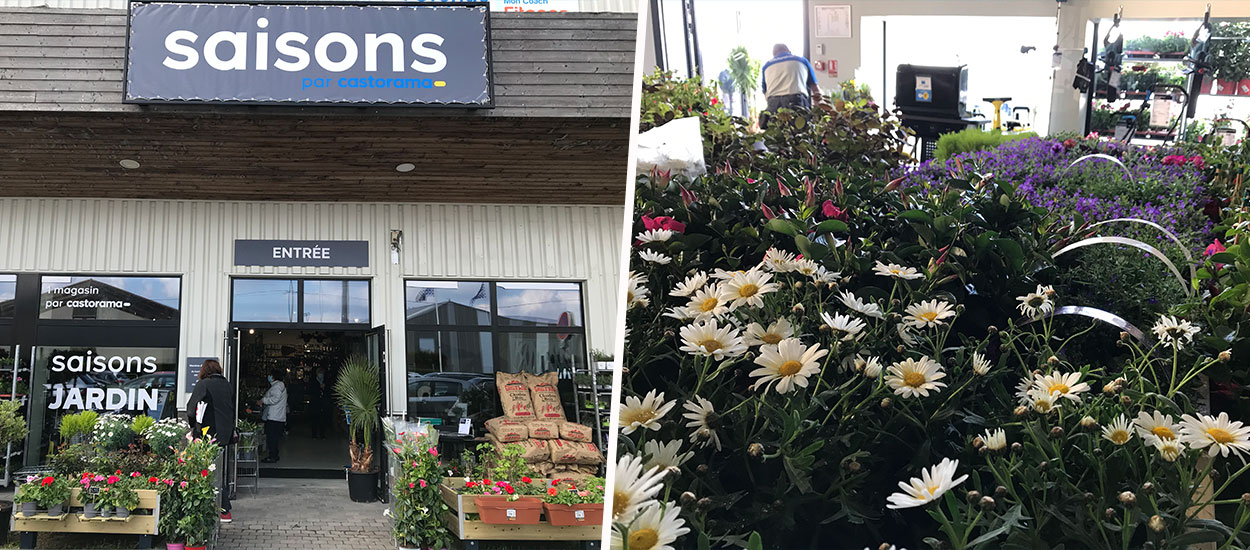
(470, 531)
(143, 521)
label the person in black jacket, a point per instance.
(211, 406)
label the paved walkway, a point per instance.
(301, 514)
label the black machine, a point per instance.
(932, 101)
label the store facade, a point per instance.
(446, 242)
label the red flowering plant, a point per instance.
(418, 508)
(188, 497)
(46, 491)
(567, 491)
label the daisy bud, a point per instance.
(755, 450)
(1089, 423)
(672, 471)
(798, 309)
(973, 496)
(1042, 466)
(896, 302)
(798, 285)
(900, 348)
(702, 468)
(991, 329)
(1110, 388)
(1225, 356)
(1148, 545)
(1016, 447)
(1109, 513)
(885, 403)
(1245, 499)
(1000, 491)
(977, 442)
(825, 328)
(1127, 498)
(959, 308)
(668, 333)
(987, 503)
(1148, 487)
(1021, 410)
(854, 466)
(687, 498)
(704, 503)
(983, 450)
(1214, 475)
(1050, 291)
(1056, 432)
(1126, 400)
(885, 546)
(1052, 360)
(1124, 336)
(1089, 497)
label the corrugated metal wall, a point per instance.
(194, 239)
(620, 6)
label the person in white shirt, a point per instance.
(788, 81)
(274, 414)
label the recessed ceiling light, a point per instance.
(405, 167)
(129, 164)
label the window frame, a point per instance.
(299, 293)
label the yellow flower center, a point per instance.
(1119, 437)
(1220, 435)
(1036, 300)
(641, 416)
(709, 304)
(643, 539)
(1059, 387)
(933, 489)
(710, 345)
(1163, 432)
(790, 368)
(929, 316)
(771, 338)
(630, 295)
(748, 290)
(1042, 405)
(620, 502)
(913, 379)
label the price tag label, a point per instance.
(466, 424)
(579, 514)
(512, 515)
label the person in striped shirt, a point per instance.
(788, 81)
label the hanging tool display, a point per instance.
(1198, 62)
(1113, 56)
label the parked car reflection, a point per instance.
(451, 395)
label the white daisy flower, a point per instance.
(931, 485)
(721, 275)
(870, 367)
(1174, 332)
(748, 289)
(897, 271)
(906, 335)
(778, 261)
(844, 327)
(823, 275)
(757, 335)
(636, 291)
(644, 413)
(665, 455)
(915, 378)
(654, 235)
(692, 284)
(708, 302)
(789, 364)
(928, 314)
(681, 313)
(980, 365)
(707, 340)
(995, 440)
(805, 267)
(1058, 384)
(634, 487)
(699, 414)
(1037, 303)
(1117, 431)
(654, 257)
(1219, 433)
(1157, 425)
(1169, 449)
(1043, 403)
(866, 309)
(654, 528)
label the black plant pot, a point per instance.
(362, 487)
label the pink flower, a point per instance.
(1198, 161)
(663, 222)
(781, 188)
(113, 479)
(1215, 248)
(583, 494)
(433, 451)
(423, 483)
(833, 212)
(169, 482)
(688, 197)
(411, 485)
(1174, 160)
(768, 212)
(182, 485)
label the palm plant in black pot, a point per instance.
(359, 393)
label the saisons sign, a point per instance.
(309, 53)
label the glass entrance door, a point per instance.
(375, 347)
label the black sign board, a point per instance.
(294, 52)
(193, 371)
(302, 253)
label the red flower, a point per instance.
(1198, 161)
(113, 479)
(688, 197)
(153, 479)
(551, 491)
(715, 101)
(134, 474)
(471, 484)
(411, 485)
(1215, 247)
(203, 473)
(834, 212)
(1069, 143)
(47, 481)
(526, 479)
(509, 489)
(663, 222)
(1174, 160)
(487, 482)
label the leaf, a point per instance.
(1014, 518)
(1223, 258)
(916, 215)
(832, 226)
(756, 542)
(1012, 251)
(704, 542)
(810, 250)
(799, 470)
(782, 226)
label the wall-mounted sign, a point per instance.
(193, 371)
(535, 6)
(302, 253)
(833, 21)
(434, 54)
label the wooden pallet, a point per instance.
(140, 522)
(470, 530)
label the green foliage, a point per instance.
(130, 459)
(12, 426)
(505, 465)
(1230, 59)
(47, 491)
(590, 492)
(1171, 43)
(72, 459)
(1154, 75)
(419, 508)
(665, 98)
(79, 424)
(856, 92)
(745, 72)
(167, 436)
(112, 432)
(358, 391)
(141, 423)
(249, 431)
(973, 139)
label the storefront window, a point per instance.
(125, 380)
(336, 301)
(266, 300)
(540, 304)
(460, 333)
(109, 298)
(447, 302)
(8, 295)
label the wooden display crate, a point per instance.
(139, 523)
(472, 530)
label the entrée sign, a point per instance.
(301, 253)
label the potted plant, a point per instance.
(125, 496)
(359, 393)
(76, 428)
(512, 496)
(566, 504)
(27, 497)
(247, 439)
(167, 437)
(419, 508)
(53, 494)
